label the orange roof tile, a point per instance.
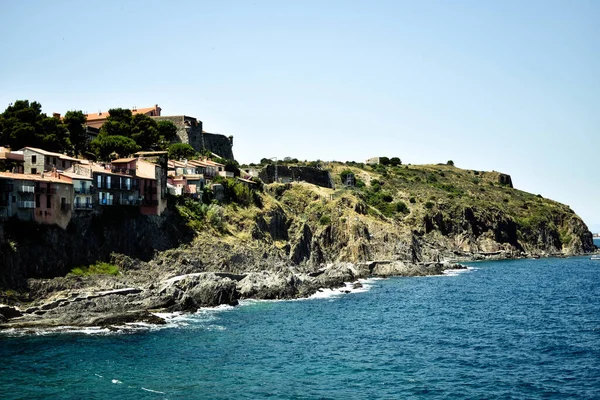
(103, 115)
(123, 160)
(32, 177)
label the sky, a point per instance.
(509, 86)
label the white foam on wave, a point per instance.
(116, 381)
(455, 272)
(153, 391)
(348, 288)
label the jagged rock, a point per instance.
(125, 318)
(268, 285)
(10, 312)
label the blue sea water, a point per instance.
(507, 329)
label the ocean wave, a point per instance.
(454, 272)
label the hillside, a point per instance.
(282, 241)
(409, 213)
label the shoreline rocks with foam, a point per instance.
(109, 302)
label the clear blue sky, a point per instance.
(511, 86)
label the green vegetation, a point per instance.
(325, 220)
(96, 269)
(23, 124)
(141, 131)
(178, 151)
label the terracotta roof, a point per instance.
(124, 160)
(104, 115)
(32, 177)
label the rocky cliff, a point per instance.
(294, 239)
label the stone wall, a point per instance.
(316, 176)
(189, 130)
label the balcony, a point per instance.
(26, 204)
(84, 206)
(26, 189)
(106, 202)
(126, 202)
(80, 190)
(125, 171)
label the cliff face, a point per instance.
(32, 250)
(411, 215)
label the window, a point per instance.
(64, 163)
(48, 201)
(54, 161)
(33, 159)
(99, 183)
(34, 171)
(108, 181)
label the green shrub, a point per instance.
(325, 220)
(401, 207)
(450, 162)
(429, 205)
(96, 269)
(412, 200)
(215, 217)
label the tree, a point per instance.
(75, 121)
(395, 161)
(144, 130)
(118, 123)
(178, 151)
(23, 124)
(104, 145)
(450, 162)
(167, 133)
(384, 160)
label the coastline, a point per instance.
(99, 303)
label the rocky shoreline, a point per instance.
(143, 290)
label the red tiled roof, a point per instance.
(123, 160)
(32, 177)
(103, 115)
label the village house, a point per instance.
(82, 190)
(37, 161)
(44, 199)
(150, 168)
(112, 189)
(185, 179)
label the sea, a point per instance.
(521, 329)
